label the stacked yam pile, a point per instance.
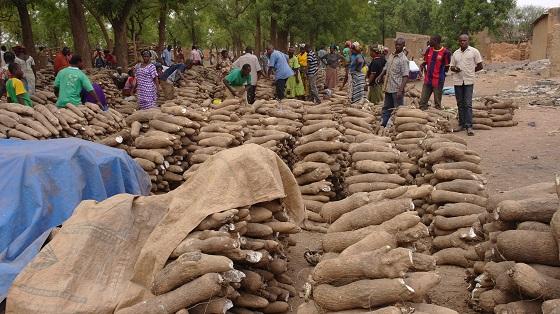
(412, 95)
(275, 126)
(458, 199)
(265, 89)
(410, 127)
(104, 78)
(319, 150)
(44, 79)
(201, 84)
(375, 165)
(521, 267)
(358, 123)
(493, 113)
(234, 261)
(220, 129)
(373, 256)
(158, 143)
(45, 120)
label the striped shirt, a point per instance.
(312, 63)
(436, 60)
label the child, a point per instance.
(15, 88)
(130, 84)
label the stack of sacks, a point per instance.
(521, 261)
(481, 116)
(457, 201)
(201, 84)
(275, 126)
(363, 267)
(355, 217)
(319, 145)
(47, 121)
(44, 79)
(410, 127)
(265, 89)
(501, 112)
(491, 112)
(221, 128)
(104, 78)
(232, 262)
(358, 122)
(412, 95)
(375, 165)
(158, 144)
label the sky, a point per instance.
(544, 3)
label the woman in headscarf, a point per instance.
(331, 60)
(357, 62)
(294, 85)
(224, 64)
(147, 82)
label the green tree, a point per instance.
(471, 16)
(519, 24)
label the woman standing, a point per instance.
(27, 65)
(294, 85)
(331, 60)
(358, 77)
(147, 82)
(224, 64)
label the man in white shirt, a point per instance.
(464, 63)
(256, 71)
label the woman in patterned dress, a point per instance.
(147, 82)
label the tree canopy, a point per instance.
(234, 24)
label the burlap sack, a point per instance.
(107, 254)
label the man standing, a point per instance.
(166, 56)
(278, 62)
(302, 60)
(396, 71)
(195, 56)
(312, 69)
(256, 71)
(61, 60)
(464, 63)
(435, 65)
(69, 83)
(238, 81)
(375, 68)
(322, 53)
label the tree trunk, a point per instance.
(282, 40)
(258, 48)
(121, 42)
(26, 30)
(193, 32)
(79, 31)
(104, 32)
(163, 9)
(273, 31)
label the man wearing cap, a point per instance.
(375, 95)
(256, 71)
(395, 73)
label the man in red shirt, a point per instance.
(61, 60)
(435, 65)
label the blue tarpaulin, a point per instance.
(41, 182)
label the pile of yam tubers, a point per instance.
(520, 272)
(44, 121)
(234, 261)
(490, 112)
(458, 199)
(375, 256)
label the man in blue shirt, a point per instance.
(166, 56)
(278, 62)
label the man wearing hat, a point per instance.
(375, 95)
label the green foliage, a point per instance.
(519, 24)
(232, 23)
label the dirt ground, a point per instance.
(511, 157)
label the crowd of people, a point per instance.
(384, 76)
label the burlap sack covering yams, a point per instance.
(107, 254)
